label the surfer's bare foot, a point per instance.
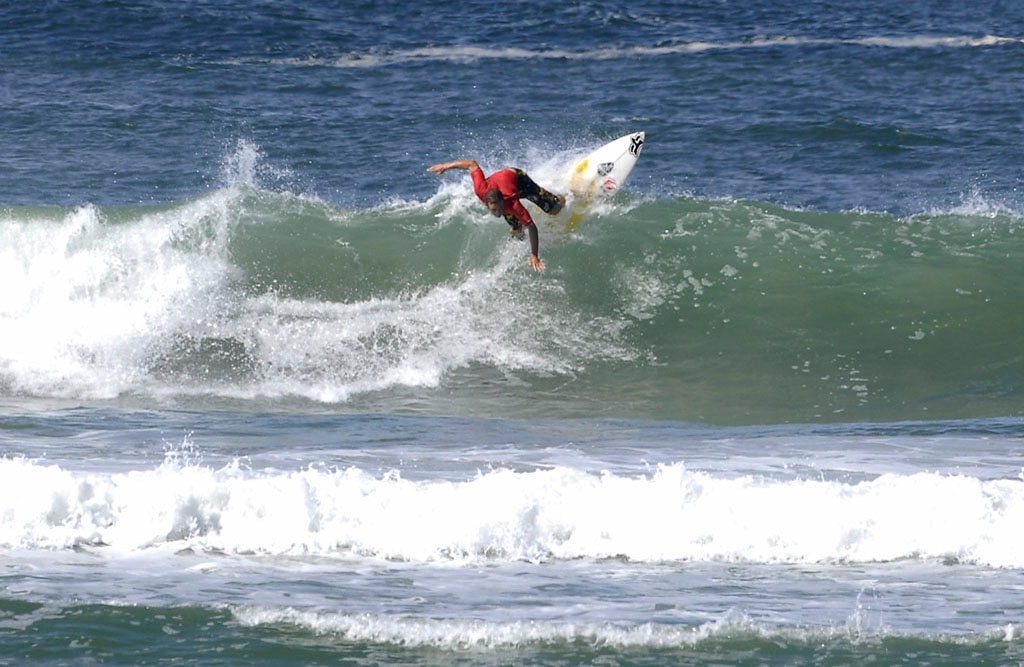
(517, 233)
(559, 206)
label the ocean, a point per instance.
(273, 394)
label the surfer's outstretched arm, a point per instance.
(468, 165)
(535, 262)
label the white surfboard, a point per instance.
(601, 173)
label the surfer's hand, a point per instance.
(535, 263)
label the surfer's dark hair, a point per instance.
(493, 196)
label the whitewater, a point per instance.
(537, 513)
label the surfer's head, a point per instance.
(495, 202)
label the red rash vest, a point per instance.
(505, 181)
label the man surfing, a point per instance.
(501, 193)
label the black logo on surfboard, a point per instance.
(635, 144)
(605, 168)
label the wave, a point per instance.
(659, 306)
(584, 642)
(347, 636)
(501, 515)
(243, 292)
(463, 54)
(462, 635)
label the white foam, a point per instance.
(559, 514)
(86, 298)
(461, 634)
(466, 54)
(329, 351)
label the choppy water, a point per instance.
(274, 394)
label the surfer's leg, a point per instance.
(549, 202)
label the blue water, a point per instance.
(273, 394)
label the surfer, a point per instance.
(501, 193)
